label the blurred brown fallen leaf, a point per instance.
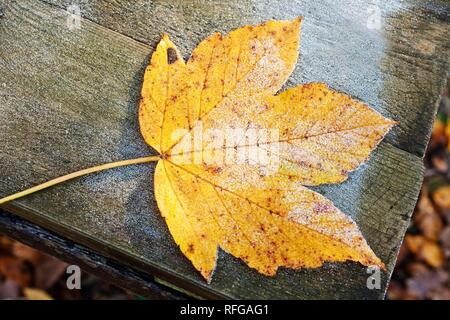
(425, 204)
(414, 242)
(425, 250)
(15, 269)
(440, 163)
(441, 197)
(26, 253)
(438, 135)
(429, 223)
(431, 253)
(36, 294)
(47, 269)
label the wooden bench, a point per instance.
(68, 100)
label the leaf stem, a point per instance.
(78, 174)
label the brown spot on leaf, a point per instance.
(213, 169)
(171, 55)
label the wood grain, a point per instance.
(68, 100)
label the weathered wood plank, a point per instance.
(399, 69)
(68, 100)
(48, 242)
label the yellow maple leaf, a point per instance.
(236, 158)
